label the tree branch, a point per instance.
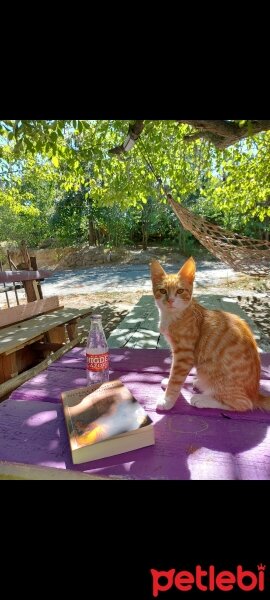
(225, 133)
(134, 132)
(221, 133)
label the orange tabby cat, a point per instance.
(219, 344)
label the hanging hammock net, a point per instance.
(241, 253)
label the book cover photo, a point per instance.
(104, 420)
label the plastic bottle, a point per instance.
(97, 353)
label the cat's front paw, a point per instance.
(165, 403)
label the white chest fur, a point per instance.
(165, 321)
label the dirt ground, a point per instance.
(113, 307)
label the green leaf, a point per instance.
(29, 144)
(55, 161)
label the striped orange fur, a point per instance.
(219, 344)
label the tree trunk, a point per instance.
(266, 235)
(92, 238)
(144, 238)
(97, 237)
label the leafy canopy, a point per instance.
(40, 161)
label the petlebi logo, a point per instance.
(209, 579)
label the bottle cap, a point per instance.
(95, 316)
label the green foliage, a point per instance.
(59, 179)
(241, 182)
(27, 194)
(68, 221)
(187, 244)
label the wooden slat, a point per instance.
(31, 291)
(17, 471)
(132, 323)
(18, 335)
(27, 311)
(147, 333)
(5, 289)
(72, 330)
(58, 335)
(11, 263)
(16, 362)
(143, 338)
(8, 367)
(24, 345)
(34, 266)
(11, 276)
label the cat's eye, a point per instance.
(162, 291)
(180, 291)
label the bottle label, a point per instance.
(97, 362)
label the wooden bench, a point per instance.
(34, 335)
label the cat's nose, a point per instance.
(170, 300)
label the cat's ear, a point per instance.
(188, 270)
(157, 273)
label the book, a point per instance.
(104, 420)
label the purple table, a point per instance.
(190, 443)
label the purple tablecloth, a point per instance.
(190, 443)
